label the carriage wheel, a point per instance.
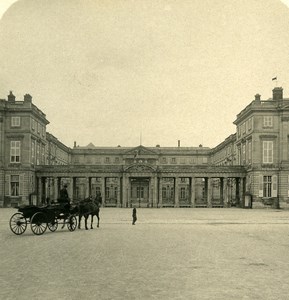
(38, 223)
(72, 223)
(18, 223)
(52, 226)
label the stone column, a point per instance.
(225, 192)
(160, 192)
(176, 192)
(151, 191)
(70, 189)
(86, 187)
(40, 191)
(209, 192)
(103, 184)
(221, 190)
(241, 192)
(128, 192)
(124, 191)
(193, 191)
(155, 192)
(56, 183)
(237, 181)
(118, 192)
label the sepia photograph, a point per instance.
(144, 149)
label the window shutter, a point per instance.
(7, 185)
(274, 186)
(21, 184)
(260, 185)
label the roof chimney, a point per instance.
(27, 98)
(11, 97)
(74, 144)
(257, 97)
(278, 93)
(179, 143)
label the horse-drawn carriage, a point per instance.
(41, 218)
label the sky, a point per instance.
(133, 72)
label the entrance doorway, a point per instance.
(139, 194)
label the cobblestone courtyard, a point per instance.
(169, 254)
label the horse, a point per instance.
(88, 207)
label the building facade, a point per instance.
(251, 164)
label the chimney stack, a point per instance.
(257, 97)
(11, 97)
(179, 143)
(27, 98)
(277, 93)
(74, 144)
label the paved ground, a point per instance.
(168, 254)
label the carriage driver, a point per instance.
(63, 198)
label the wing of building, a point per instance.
(250, 168)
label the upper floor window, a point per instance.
(116, 160)
(164, 160)
(173, 160)
(38, 127)
(15, 122)
(267, 152)
(107, 160)
(15, 151)
(249, 151)
(268, 121)
(250, 124)
(32, 152)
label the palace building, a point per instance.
(250, 168)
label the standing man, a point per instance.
(134, 218)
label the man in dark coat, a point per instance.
(134, 218)
(63, 195)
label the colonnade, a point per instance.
(146, 190)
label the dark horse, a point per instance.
(89, 207)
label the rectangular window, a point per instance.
(14, 185)
(33, 124)
(183, 193)
(116, 160)
(267, 152)
(268, 121)
(107, 192)
(37, 154)
(164, 193)
(15, 151)
(250, 124)
(140, 192)
(38, 127)
(267, 186)
(107, 160)
(173, 160)
(15, 122)
(249, 151)
(164, 160)
(32, 152)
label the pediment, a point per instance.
(140, 151)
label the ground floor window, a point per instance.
(267, 186)
(14, 185)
